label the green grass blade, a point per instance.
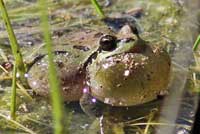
(13, 97)
(57, 102)
(14, 45)
(196, 44)
(19, 85)
(17, 124)
(98, 8)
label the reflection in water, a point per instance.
(180, 105)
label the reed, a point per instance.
(17, 124)
(57, 101)
(196, 44)
(13, 96)
(14, 44)
(98, 8)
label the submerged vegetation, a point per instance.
(158, 22)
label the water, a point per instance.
(182, 101)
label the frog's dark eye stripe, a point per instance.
(108, 42)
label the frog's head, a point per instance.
(126, 71)
(126, 40)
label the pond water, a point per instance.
(173, 24)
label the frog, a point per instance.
(117, 70)
(69, 57)
(114, 76)
(123, 82)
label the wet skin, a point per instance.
(69, 58)
(125, 83)
(116, 77)
(120, 69)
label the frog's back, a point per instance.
(73, 50)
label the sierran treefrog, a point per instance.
(68, 57)
(125, 82)
(120, 69)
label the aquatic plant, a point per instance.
(57, 101)
(22, 127)
(98, 8)
(14, 44)
(196, 44)
(18, 65)
(13, 99)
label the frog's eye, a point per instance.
(108, 42)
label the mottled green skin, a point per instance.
(68, 60)
(146, 64)
(67, 71)
(131, 77)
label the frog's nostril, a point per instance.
(108, 42)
